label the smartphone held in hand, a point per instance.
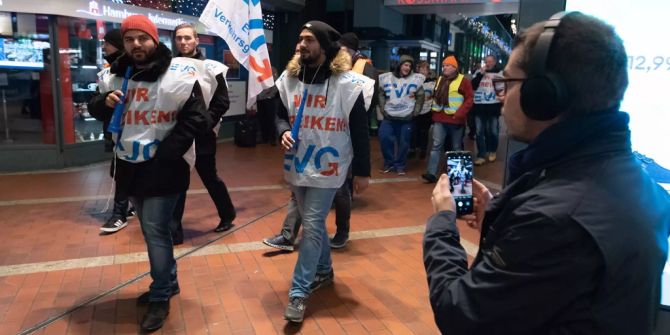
(460, 169)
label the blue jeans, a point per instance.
(342, 203)
(314, 253)
(440, 133)
(155, 215)
(392, 132)
(487, 134)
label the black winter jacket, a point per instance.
(205, 143)
(574, 246)
(167, 172)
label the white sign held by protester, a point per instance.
(240, 24)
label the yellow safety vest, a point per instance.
(455, 98)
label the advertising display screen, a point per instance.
(22, 53)
(646, 99)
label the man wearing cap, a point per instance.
(322, 139)
(186, 39)
(401, 98)
(163, 111)
(112, 48)
(452, 100)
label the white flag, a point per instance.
(240, 24)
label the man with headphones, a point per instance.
(577, 241)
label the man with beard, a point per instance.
(322, 120)
(186, 39)
(163, 111)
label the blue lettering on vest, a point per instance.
(398, 93)
(146, 153)
(135, 152)
(321, 152)
(409, 87)
(301, 165)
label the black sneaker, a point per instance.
(279, 242)
(131, 213)
(114, 224)
(322, 280)
(339, 241)
(295, 311)
(156, 315)
(429, 178)
(143, 299)
(224, 225)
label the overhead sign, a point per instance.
(441, 2)
(99, 10)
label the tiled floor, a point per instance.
(59, 276)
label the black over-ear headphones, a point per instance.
(543, 93)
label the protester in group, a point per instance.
(423, 121)
(362, 65)
(486, 110)
(319, 156)
(285, 240)
(152, 149)
(452, 101)
(187, 41)
(401, 99)
(112, 48)
(577, 242)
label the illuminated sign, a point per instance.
(442, 2)
(99, 10)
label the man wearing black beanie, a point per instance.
(112, 48)
(321, 140)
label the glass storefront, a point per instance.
(49, 60)
(26, 98)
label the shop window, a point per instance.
(26, 98)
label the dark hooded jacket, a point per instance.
(419, 95)
(205, 144)
(167, 172)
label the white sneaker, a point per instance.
(492, 156)
(479, 161)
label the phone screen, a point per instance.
(460, 170)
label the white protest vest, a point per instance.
(399, 93)
(485, 93)
(151, 109)
(324, 150)
(428, 91)
(207, 70)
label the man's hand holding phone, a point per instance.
(481, 199)
(442, 198)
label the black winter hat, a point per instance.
(350, 40)
(325, 34)
(114, 38)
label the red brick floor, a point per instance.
(239, 288)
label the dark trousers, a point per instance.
(205, 164)
(120, 203)
(266, 120)
(421, 132)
